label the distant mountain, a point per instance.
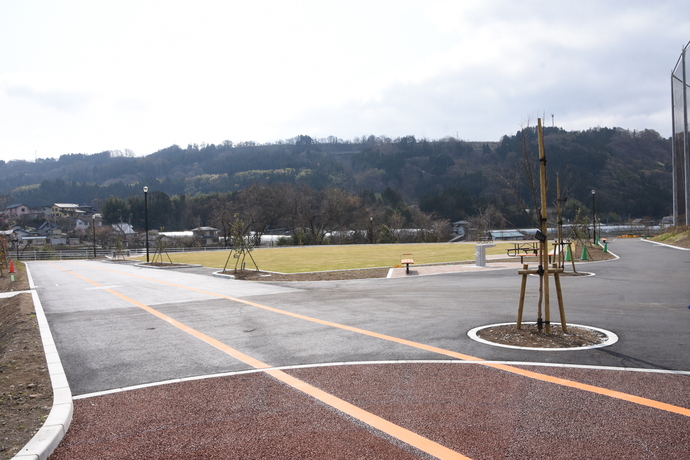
(630, 171)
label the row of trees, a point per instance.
(447, 178)
(631, 170)
(330, 215)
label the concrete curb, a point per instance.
(664, 244)
(169, 267)
(51, 433)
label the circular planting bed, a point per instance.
(529, 337)
(164, 265)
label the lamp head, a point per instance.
(146, 189)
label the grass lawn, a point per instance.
(677, 236)
(296, 259)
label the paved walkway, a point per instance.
(175, 365)
(392, 410)
(417, 270)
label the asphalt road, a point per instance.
(108, 342)
(118, 326)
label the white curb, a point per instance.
(53, 430)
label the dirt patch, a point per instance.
(26, 393)
(530, 336)
(163, 265)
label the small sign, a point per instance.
(540, 236)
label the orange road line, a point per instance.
(504, 367)
(409, 437)
(309, 318)
(396, 431)
(593, 389)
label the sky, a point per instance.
(140, 76)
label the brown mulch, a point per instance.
(26, 393)
(530, 336)
(252, 275)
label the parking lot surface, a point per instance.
(181, 364)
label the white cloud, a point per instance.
(92, 76)
(61, 100)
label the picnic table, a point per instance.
(524, 248)
(531, 248)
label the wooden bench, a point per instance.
(407, 260)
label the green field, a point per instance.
(296, 259)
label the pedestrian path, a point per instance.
(421, 270)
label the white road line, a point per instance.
(369, 363)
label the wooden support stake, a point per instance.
(572, 256)
(544, 229)
(561, 256)
(524, 272)
(561, 307)
(534, 271)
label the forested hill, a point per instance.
(631, 171)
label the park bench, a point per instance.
(407, 260)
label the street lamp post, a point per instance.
(146, 220)
(371, 230)
(93, 226)
(594, 218)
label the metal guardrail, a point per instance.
(67, 254)
(142, 251)
(81, 254)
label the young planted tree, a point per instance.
(544, 268)
(241, 246)
(161, 248)
(4, 258)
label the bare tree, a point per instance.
(524, 176)
(337, 209)
(222, 213)
(261, 205)
(395, 223)
(422, 223)
(105, 237)
(487, 218)
(440, 230)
